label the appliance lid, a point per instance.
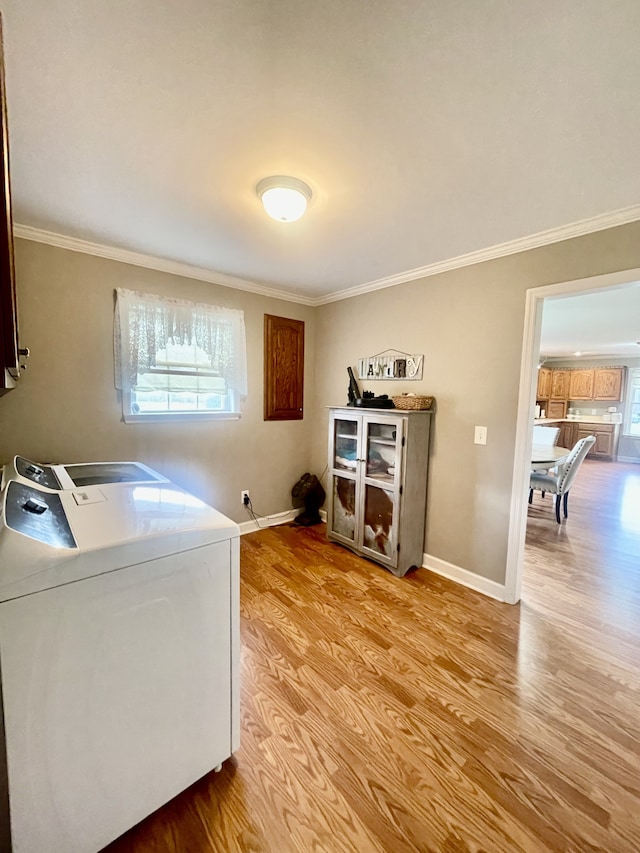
(59, 477)
(48, 539)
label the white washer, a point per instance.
(58, 477)
(119, 654)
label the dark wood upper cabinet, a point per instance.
(283, 368)
(9, 354)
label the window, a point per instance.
(632, 415)
(176, 359)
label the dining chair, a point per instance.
(559, 481)
(545, 435)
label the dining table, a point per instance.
(545, 456)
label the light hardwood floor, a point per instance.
(397, 715)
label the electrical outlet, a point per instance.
(244, 497)
(480, 435)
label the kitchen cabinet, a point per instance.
(378, 461)
(606, 435)
(601, 383)
(608, 383)
(560, 384)
(556, 409)
(606, 439)
(581, 385)
(566, 434)
(544, 383)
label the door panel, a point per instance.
(345, 444)
(343, 508)
(379, 528)
(283, 368)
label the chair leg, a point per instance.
(530, 495)
(565, 504)
(558, 500)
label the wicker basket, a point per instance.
(411, 402)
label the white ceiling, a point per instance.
(427, 130)
(593, 324)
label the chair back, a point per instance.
(545, 435)
(569, 470)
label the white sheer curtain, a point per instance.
(145, 323)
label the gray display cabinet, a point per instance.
(378, 462)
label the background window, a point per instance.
(632, 414)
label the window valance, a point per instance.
(146, 323)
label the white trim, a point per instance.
(173, 417)
(511, 247)
(463, 576)
(635, 460)
(268, 521)
(633, 382)
(526, 401)
(137, 259)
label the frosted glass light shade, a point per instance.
(285, 199)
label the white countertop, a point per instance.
(582, 419)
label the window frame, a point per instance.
(633, 388)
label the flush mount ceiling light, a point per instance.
(285, 199)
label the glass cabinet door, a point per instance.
(379, 528)
(383, 450)
(382, 443)
(343, 508)
(345, 444)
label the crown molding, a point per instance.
(512, 247)
(137, 259)
(542, 238)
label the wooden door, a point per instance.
(581, 385)
(283, 368)
(560, 384)
(556, 409)
(607, 383)
(567, 436)
(544, 383)
(603, 448)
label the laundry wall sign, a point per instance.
(391, 364)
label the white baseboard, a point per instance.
(634, 459)
(464, 577)
(268, 521)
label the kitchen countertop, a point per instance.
(581, 419)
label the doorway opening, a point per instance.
(526, 402)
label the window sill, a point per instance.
(172, 417)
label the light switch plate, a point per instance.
(480, 435)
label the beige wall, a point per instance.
(469, 325)
(67, 409)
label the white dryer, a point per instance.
(119, 657)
